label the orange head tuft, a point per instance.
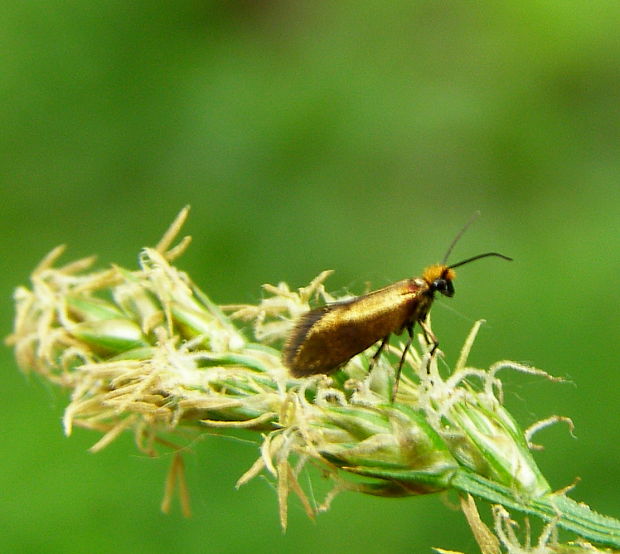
(438, 271)
(439, 279)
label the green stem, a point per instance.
(568, 514)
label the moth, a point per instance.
(326, 338)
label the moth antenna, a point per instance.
(459, 235)
(485, 255)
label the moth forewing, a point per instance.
(326, 338)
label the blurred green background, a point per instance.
(357, 136)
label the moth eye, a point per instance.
(444, 286)
(440, 285)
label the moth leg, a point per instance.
(376, 355)
(402, 360)
(430, 338)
